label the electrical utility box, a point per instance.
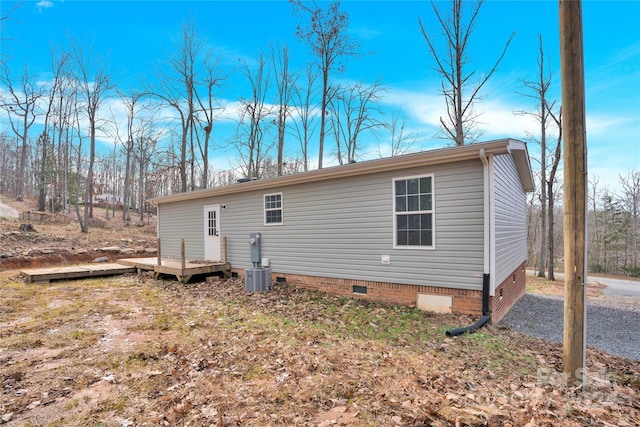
(254, 245)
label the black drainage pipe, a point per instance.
(486, 315)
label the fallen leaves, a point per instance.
(210, 354)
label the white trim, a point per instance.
(281, 209)
(489, 219)
(492, 226)
(432, 212)
(486, 226)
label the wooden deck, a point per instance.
(75, 272)
(128, 265)
(175, 267)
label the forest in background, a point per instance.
(613, 228)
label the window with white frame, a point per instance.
(273, 209)
(413, 212)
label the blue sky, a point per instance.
(135, 36)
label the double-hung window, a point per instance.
(413, 212)
(273, 209)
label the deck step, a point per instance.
(75, 272)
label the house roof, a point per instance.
(424, 158)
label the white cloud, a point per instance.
(600, 124)
(420, 106)
(499, 120)
(496, 119)
(44, 4)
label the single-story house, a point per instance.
(431, 229)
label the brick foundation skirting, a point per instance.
(508, 292)
(464, 301)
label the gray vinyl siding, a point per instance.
(510, 218)
(342, 227)
(182, 220)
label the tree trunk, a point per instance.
(323, 111)
(92, 158)
(551, 242)
(183, 162)
(141, 188)
(281, 125)
(20, 184)
(42, 182)
(126, 198)
(205, 157)
(543, 221)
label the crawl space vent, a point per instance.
(360, 290)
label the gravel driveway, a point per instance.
(613, 325)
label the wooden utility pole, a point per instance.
(575, 186)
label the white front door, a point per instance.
(212, 233)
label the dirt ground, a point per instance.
(58, 239)
(543, 286)
(133, 351)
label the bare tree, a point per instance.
(304, 124)
(5, 15)
(327, 35)
(457, 87)
(108, 173)
(537, 90)
(353, 111)
(533, 228)
(6, 163)
(283, 81)
(401, 140)
(8, 13)
(62, 124)
(224, 177)
(55, 89)
(551, 192)
(550, 155)
(78, 191)
(145, 144)
(612, 230)
(595, 255)
(630, 200)
(134, 106)
(254, 114)
(614, 226)
(94, 85)
(290, 166)
(176, 88)
(21, 107)
(206, 114)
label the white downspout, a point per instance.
(489, 247)
(489, 219)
